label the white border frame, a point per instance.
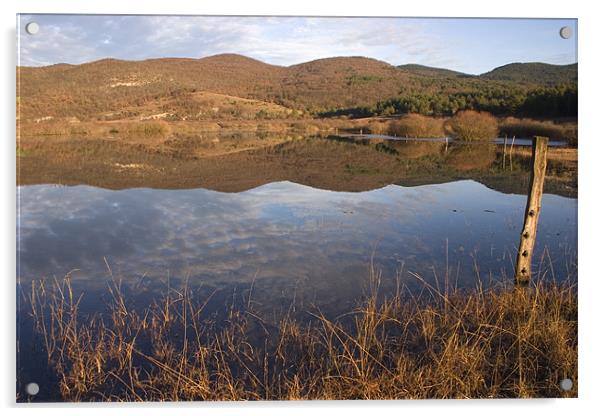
(589, 218)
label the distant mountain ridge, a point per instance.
(530, 72)
(93, 90)
(432, 71)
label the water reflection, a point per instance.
(413, 149)
(471, 156)
(332, 163)
(288, 237)
(499, 140)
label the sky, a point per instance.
(472, 46)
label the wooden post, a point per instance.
(511, 151)
(527, 238)
(504, 162)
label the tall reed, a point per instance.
(444, 343)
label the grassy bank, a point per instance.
(526, 127)
(465, 126)
(479, 343)
(126, 129)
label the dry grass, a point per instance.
(127, 129)
(410, 125)
(472, 125)
(141, 129)
(525, 127)
(55, 128)
(445, 343)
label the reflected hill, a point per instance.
(235, 163)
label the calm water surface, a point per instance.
(278, 245)
(289, 240)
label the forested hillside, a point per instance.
(353, 86)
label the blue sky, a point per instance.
(468, 45)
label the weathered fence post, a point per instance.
(527, 238)
(511, 151)
(504, 162)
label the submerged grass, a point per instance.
(444, 343)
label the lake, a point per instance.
(300, 226)
(291, 240)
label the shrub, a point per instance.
(472, 125)
(416, 125)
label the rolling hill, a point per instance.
(534, 72)
(101, 89)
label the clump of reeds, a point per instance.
(472, 125)
(144, 128)
(416, 125)
(445, 343)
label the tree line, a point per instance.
(548, 102)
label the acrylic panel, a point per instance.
(282, 208)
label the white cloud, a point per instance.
(281, 41)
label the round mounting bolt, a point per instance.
(32, 389)
(566, 384)
(566, 32)
(32, 28)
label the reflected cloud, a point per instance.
(281, 232)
